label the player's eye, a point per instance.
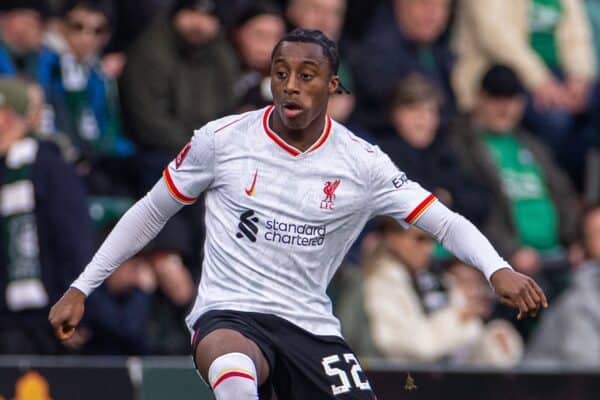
(281, 74)
(306, 77)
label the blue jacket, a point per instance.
(101, 99)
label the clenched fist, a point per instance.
(66, 313)
(519, 291)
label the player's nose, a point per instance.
(291, 85)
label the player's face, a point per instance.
(301, 83)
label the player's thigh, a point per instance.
(223, 341)
(321, 371)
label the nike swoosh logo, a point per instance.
(250, 190)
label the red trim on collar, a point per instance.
(291, 149)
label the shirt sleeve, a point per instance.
(393, 194)
(192, 171)
(461, 238)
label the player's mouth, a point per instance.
(291, 109)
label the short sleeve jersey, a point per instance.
(279, 221)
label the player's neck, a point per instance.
(301, 139)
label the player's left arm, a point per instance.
(393, 194)
(465, 241)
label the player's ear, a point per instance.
(334, 84)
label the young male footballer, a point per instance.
(287, 191)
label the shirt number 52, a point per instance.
(342, 374)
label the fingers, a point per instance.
(532, 305)
(540, 293)
(522, 306)
(530, 299)
(65, 331)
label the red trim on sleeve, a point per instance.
(232, 374)
(174, 191)
(420, 209)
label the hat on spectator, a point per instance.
(41, 6)
(501, 81)
(204, 6)
(13, 95)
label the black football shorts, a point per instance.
(303, 366)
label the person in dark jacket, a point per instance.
(46, 237)
(418, 147)
(179, 75)
(257, 27)
(534, 210)
(402, 38)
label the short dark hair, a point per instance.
(103, 7)
(40, 6)
(315, 36)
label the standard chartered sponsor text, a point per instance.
(295, 234)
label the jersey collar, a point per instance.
(288, 148)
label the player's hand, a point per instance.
(518, 291)
(66, 313)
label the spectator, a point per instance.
(256, 30)
(401, 39)
(46, 234)
(401, 325)
(21, 34)
(179, 75)
(534, 209)
(568, 332)
(417, 147)
(500, 344)
(83, 99)
(547, 43)
(328, 17)
(592, 8)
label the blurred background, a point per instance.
(493, 105)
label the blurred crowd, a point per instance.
(492, 105)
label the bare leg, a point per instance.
(224, 341)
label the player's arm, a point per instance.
(393, 194)
(465, 241)
(138, 226)
(183, 180)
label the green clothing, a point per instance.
(533, 210)
(593, 13)
(544, 17)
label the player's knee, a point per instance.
(233, 376)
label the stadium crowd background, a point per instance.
(492, 105)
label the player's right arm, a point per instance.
(183, 180)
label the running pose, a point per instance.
(287, 191)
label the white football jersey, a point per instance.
(279, 221)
